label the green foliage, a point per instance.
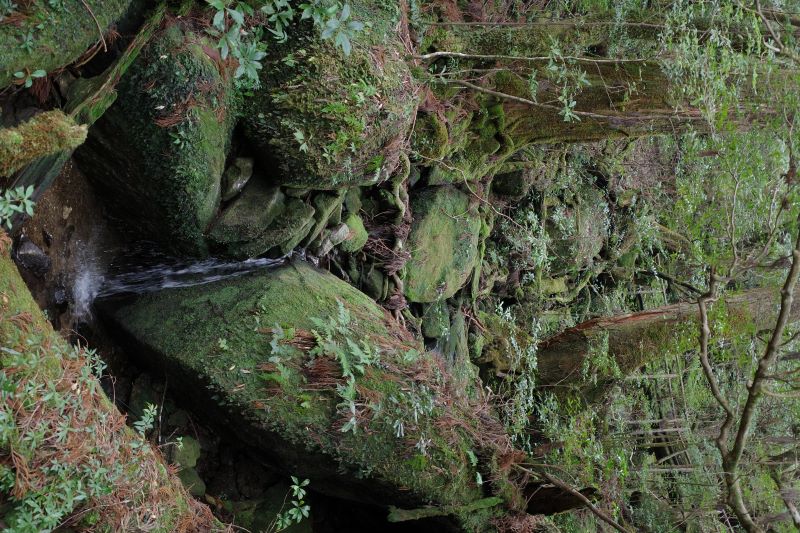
(710, 66)
(298, 508)
(145, 424)
(239, 38)
(7, 7)
(353, 357)
(26, 78)
(15, 201)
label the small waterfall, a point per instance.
(143, 269)
(171, 273)
(88, 277)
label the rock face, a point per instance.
(443, 243)
(161, 148)
(242, 353)
(331, 135)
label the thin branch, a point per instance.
(99, 29)
(597, 512)
(493, 57)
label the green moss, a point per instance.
(443, 243)
(160, 149)
(44, 134)
(358, 234)
(52, 37)
(184, 326)
(327, 211)
(349, 111)
(249, 215)
(285, 232)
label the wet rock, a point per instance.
(236, 177)
(156, 161)
(60, 297)
(284, 234)
(31, 258)
(443, 243)
(249, 215)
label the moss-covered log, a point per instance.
(66, 456)
(44, 134)
(399, 433)
(41, 35)
(633, 339)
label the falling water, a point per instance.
(179, 273)
(142, 269)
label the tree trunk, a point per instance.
(636, 338)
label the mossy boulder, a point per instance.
(158, 154)
(328, 120)
(265, 385)
(287, 230)
(443, 243)
(47, 36)
(358, 235)
(249, 215)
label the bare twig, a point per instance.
(597, 512)
(494, 57)
(99, 28)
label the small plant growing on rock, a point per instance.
(15, 201)
(298, 509)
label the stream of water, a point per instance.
(145, 271)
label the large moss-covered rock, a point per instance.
(328, 120)
(443, 243)
(238, 350)
(48, 35)
(159, 152)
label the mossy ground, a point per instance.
(65, 450)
